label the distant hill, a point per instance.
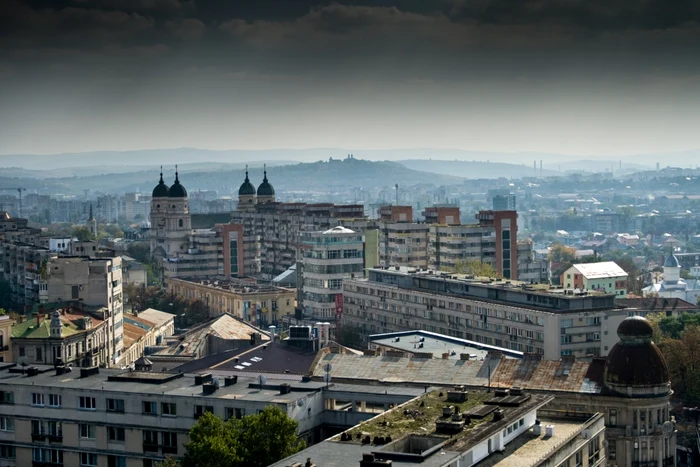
(308, 177)
(474, 169)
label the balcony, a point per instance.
(56, 438)
(169, 449)
(150, 447)
(38, 437)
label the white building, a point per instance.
(673, 286)
(330, 256)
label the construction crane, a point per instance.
(19, 190)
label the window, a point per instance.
(240, 413)
(612, 418)
(37, 399)
(54, 400)
(169, 442)
(116, 461)
(168, 408)
(115, 405)
(87, 431)
(88, 459)
(52, 456)
(115, 433)
(612, 449)
(150, 441)
(150, 408)
(7, 452)
(579, 459)
(7, 424)
(199, 410)
(39, 354)
(148, 463)
(21, 352)
(86, 403)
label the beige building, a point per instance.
(66, 336)
(6, 324)
(259, 304)
(146, 329)
(518, 316)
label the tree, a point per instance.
(475, 268)
(213, 443)
(140, 251)
(83, 234)
(169, 462)
(268, 437)
(254, 440)
(562, 254)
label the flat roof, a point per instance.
(437, 344)
(237, 286)
(179, 386)
(529, 449)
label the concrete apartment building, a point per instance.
(519, 316)
(256, 303)
(630, 388)
(605, 276)
(329, 257)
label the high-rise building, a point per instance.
(504, 202)
(329, 257)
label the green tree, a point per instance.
(253, 441)
(83, 234)
(140, 251)
(213, 443)
(169, 462)
(562, 254)
(268, 437)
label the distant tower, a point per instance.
(266, 193)
(55, 328)
(171, 222)
(246, 194)
(92, 223)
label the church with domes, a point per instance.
(249, 197)
(673, 285)
(171, 222)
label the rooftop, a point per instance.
(237, 286)
(437, 344)
(120, 381)
(531, 373)
(73, 323)
(600, 270)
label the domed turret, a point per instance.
(265, 188)
(247, 189)
(177, 190)
(161, 190)
(672, 270)
(671, 262)
(635, 366)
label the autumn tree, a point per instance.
(475, 268)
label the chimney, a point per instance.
(39, 318)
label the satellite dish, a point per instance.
(605, 443)
(327, 367)
(667, 429)
(327, 378)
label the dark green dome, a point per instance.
(247, 189)
(265, 189)
(161, 190)
(177, 190)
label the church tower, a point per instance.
(246, 194)
(171, 222)
(92, 223)
(266, 193)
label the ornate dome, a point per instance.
(161, 190)
(177, 190)
(636, 363)
(247, 189)
(671, 262)
(265, 189)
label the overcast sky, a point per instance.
(588, 77)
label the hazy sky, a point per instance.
(587, 77)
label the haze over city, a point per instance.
(596, 79)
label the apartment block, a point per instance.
(260, 304)
(272, 232)
(6, 324)
(519, 316)
(329, 257)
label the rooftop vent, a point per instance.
(209, 388)
(230, 380)
(202, 378)
(89, 371)
(285, 388)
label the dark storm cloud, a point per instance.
(216, 62)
